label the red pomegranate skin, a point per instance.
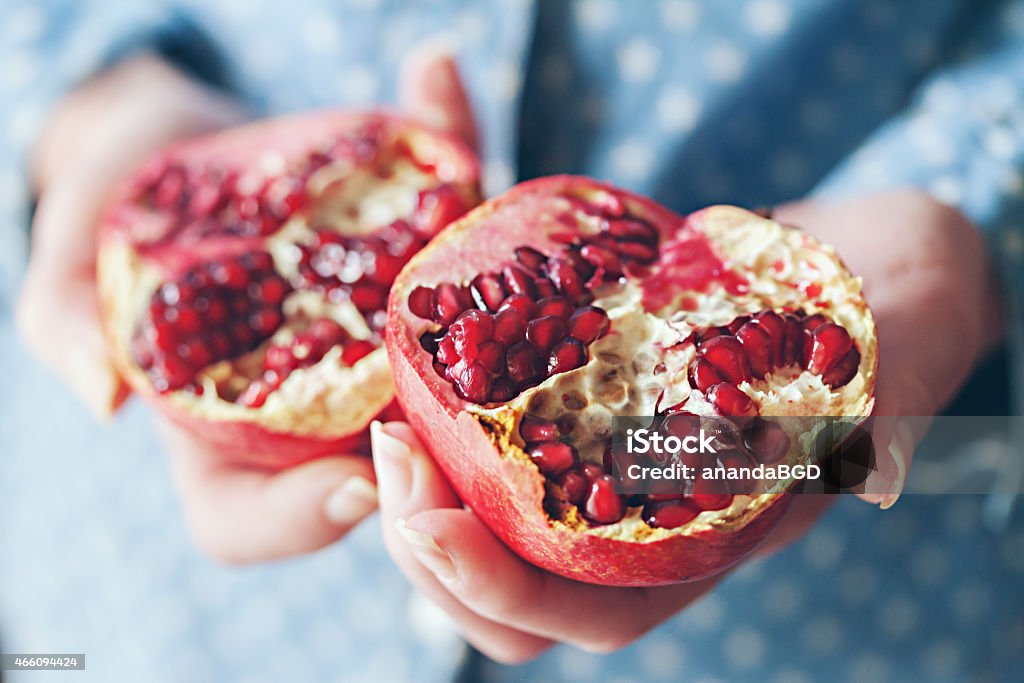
(250, 442)
(505, 492)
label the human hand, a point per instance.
(927, 279)
(98, 134)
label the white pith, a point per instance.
(326, 398)
(622, 381)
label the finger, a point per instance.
(240, 516)
(430, 89)
(410, 483)
(59, 303)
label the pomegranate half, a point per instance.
(523, 329)
(244, 276)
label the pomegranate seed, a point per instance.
(355, 350)
(255, 395)
(509, 327)
(475, 326)
(567, 355)
(711, 494)
(421, 302)
(536, 429)
(602, 258)
(758, 348)
(639, 252)
(545, 332)
(523, 363)
(588, 324)
(491, 355)
(591, 471)
(574, 484)
(767, 441)
(488, 291)
(566, 279)
(603, 505)
(518, 281)
(730, 401)
(844, 370)
(530, 259)
(522, 303)
(734, 460)
(327, 330)
(796, 339)
(545, 290)
(446, 352)
(633, 230)
(726, 354)
(449, 302)
(280, 359)
(558, 306)
(774, 326)
(813, 322)
(737, 323)
(503, 390)
(554, 457)
(703, 375)
(829, 343)
(473, 383)
(669, 514)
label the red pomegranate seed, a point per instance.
(726, 354)
(545, 332)
(421, 302)
(815, 321)
(844, 370)
(280, 359)
(567, 355)
(545, 290)
(766, 440)
(327, 330)
(352, 352)
(796, 339)
(509, 327)
(703, 375)
(637, 251)
(446, 352)
(554, 457)
(473, 383)
(474, 325)
(574, 484)
(566, 279)
(588, 324)
(488, 291)
(558, 306)
(591, 471)
(255, 395)
(758, 347)
(367, 296)
(633, 230)
(669, 514)
(523, 363)
(503, 390)
(518, 281)
(530, 259)
(730, 401)
(449, 302)
(829, 343)
(603, 504)
(734, 460)
(773, 325)
(537, 429)
(737, 323)
(491, 355)
(602, 258)
(711, 494)
(522, 303)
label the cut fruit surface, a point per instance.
(519, 334)
(244, 276)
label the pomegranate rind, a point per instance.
(277, 435)
(476, 448)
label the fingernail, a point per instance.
(901, 446)
(392, 459)
(428, 552)
(352, 501)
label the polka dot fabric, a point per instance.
(746, 101)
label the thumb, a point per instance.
(239, 515)
(430, 90)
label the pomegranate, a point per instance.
(522, 331)
(244, 276)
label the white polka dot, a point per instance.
(847, 61)
(822, 549)
(789, 169)
(358, 84)
(999, 97)
(578, 666)
(942, 659)
(897, 532)
(929, 565)
(706, 614)
(868, 667)
(857, 584)
(897, 617)
(1001, 142)
(25, 24)
(714, 183)
(472, 26)
(632, 159)
(638, 60)
(751, 570)
(818, 115)
(498, 177)
(24, 124)
(365, 4)
(327, 639)
(822, 635)
(677, 109)
(662, 657)
(1013, 243)
(1012, 181)
(592, 109)
(18, 70)
(595, 15)
(942, 96)
(971, 601)
(680, 14)
(767, 17)
(782, 599)
(726, 62)
(961, 514)
(1012, 20)
(321, 34)
(744, 648)
(265, 57)
(947, 189)
(504, 81)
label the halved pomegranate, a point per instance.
(244, 276)
(520, 332)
